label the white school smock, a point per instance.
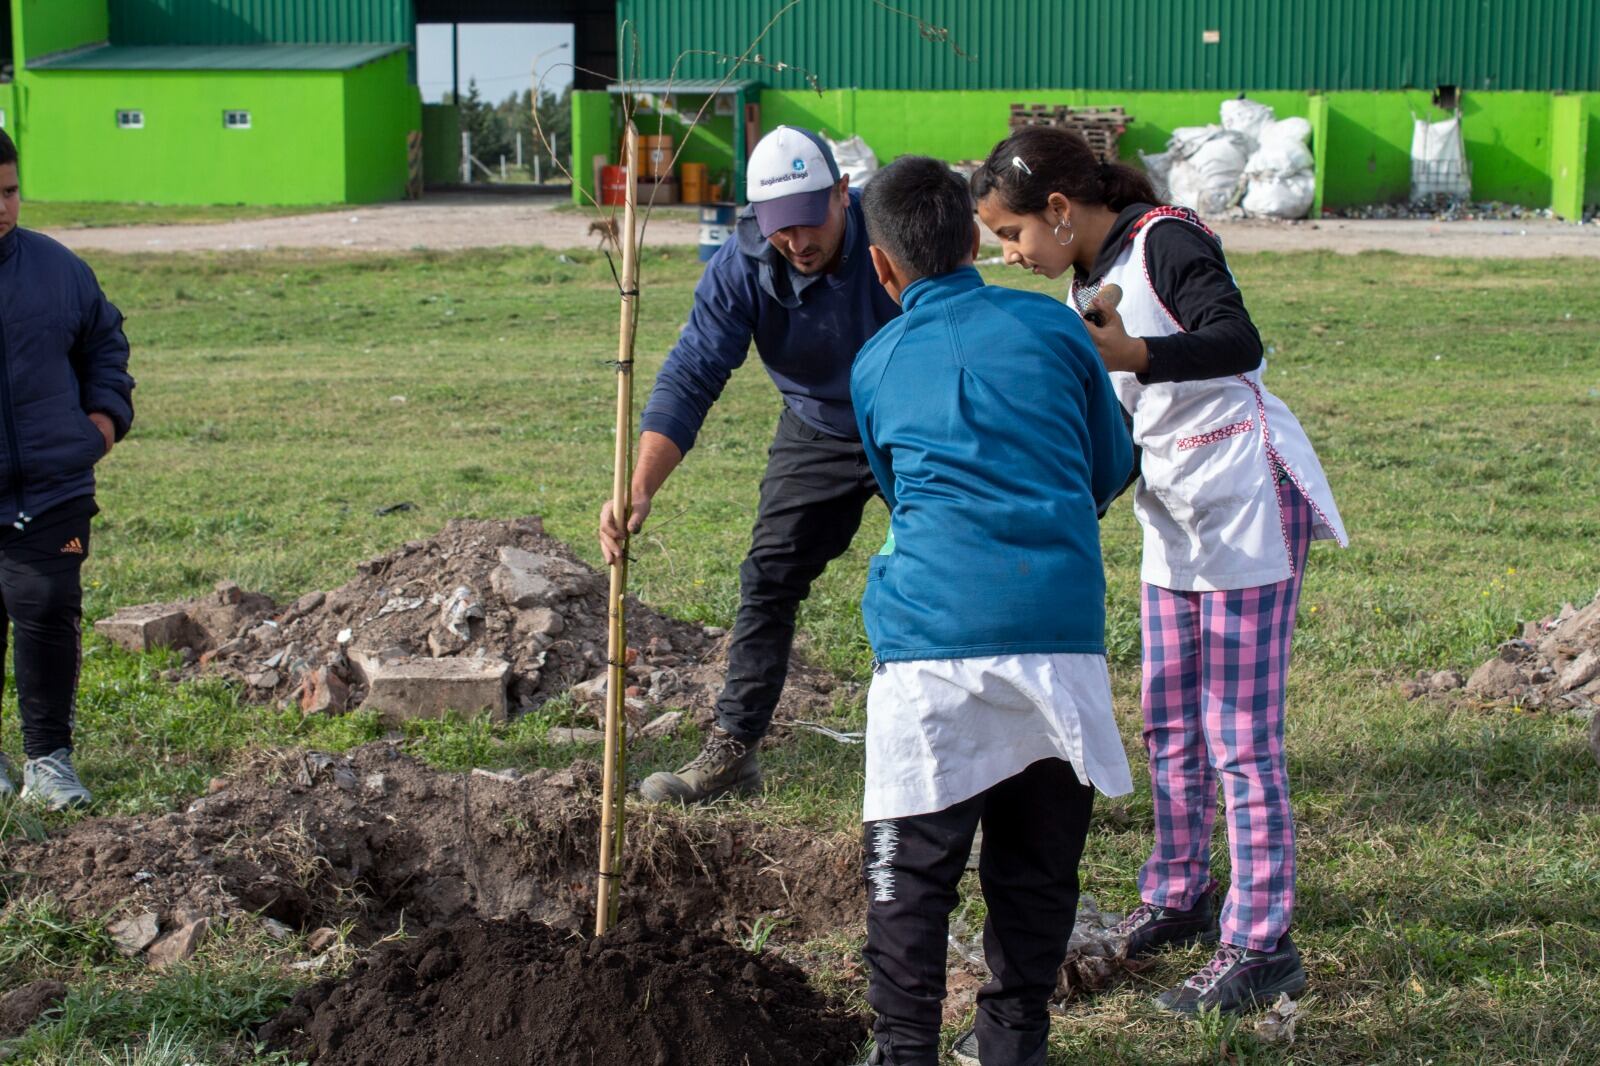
(940, 731)
(1207, 497)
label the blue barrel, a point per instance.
(716, 228)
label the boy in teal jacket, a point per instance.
(992, 429)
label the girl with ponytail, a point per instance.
(1230, 496)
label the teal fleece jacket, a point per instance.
(990, 424)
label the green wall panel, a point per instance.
(592, 134)
(292, 154)
(1569, 135)
(41, 27)
(1591, 163)
(441, 144)
(1129, 44)
(258, 21)
(380, 112)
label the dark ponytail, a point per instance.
(1035, 161)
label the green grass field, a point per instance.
(1449, 856)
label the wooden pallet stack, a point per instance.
(1100, 126)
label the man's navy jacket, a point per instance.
(62, 355)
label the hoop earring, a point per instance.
(1056, 233)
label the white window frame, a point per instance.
(229, 114)
(126, 113)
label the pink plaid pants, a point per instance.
(1215, 666)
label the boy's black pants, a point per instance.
(1034, 826)
(812, 498)
(42, 602)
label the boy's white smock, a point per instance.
(940, 731)
(1208, 497)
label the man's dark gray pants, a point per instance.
(812, 498)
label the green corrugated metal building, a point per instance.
(213, 101)
(938, 77)
(1140, 45)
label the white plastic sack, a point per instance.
(1159, 166)
(855, 159)
(1280, 195)
(1438, 161)
(1186, 140)
(1246, 117)
(1278, 156)
(1208, 179)
(1293, 128)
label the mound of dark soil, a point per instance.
(382, 840)
(22, 1007)
(490, 992)
(494, 590)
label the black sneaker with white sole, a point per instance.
(1148, 928)
(1238, 980)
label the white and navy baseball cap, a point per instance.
(789, 178)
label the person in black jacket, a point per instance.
(65, 399)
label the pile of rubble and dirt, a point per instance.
(378, 840)
(486, 616)
(1554, 664)
(520, 992)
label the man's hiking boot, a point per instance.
(1149, 928)
(965, 1049)
(51, 780)
(726, 765)
(8, 787)
(1238, 979)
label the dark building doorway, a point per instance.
(594, 28)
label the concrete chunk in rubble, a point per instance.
(133, 935)
(540, 621)
(324, 692)
(1580, 671)
(1495, 679)
(519, 579)
(415, 687)
(178, 945)
(575, 735)
(152, 625)
(592, 689)
(662, 726)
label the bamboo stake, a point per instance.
(614, 777)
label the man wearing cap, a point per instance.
(797, 281)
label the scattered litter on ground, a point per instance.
(1094, 962)
(489, 616)
(1276, 1026)
(493, 992)
(378, 840)
(1448, 209)
(1553, 665)
(832, 734)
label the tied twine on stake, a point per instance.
(614, 773)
